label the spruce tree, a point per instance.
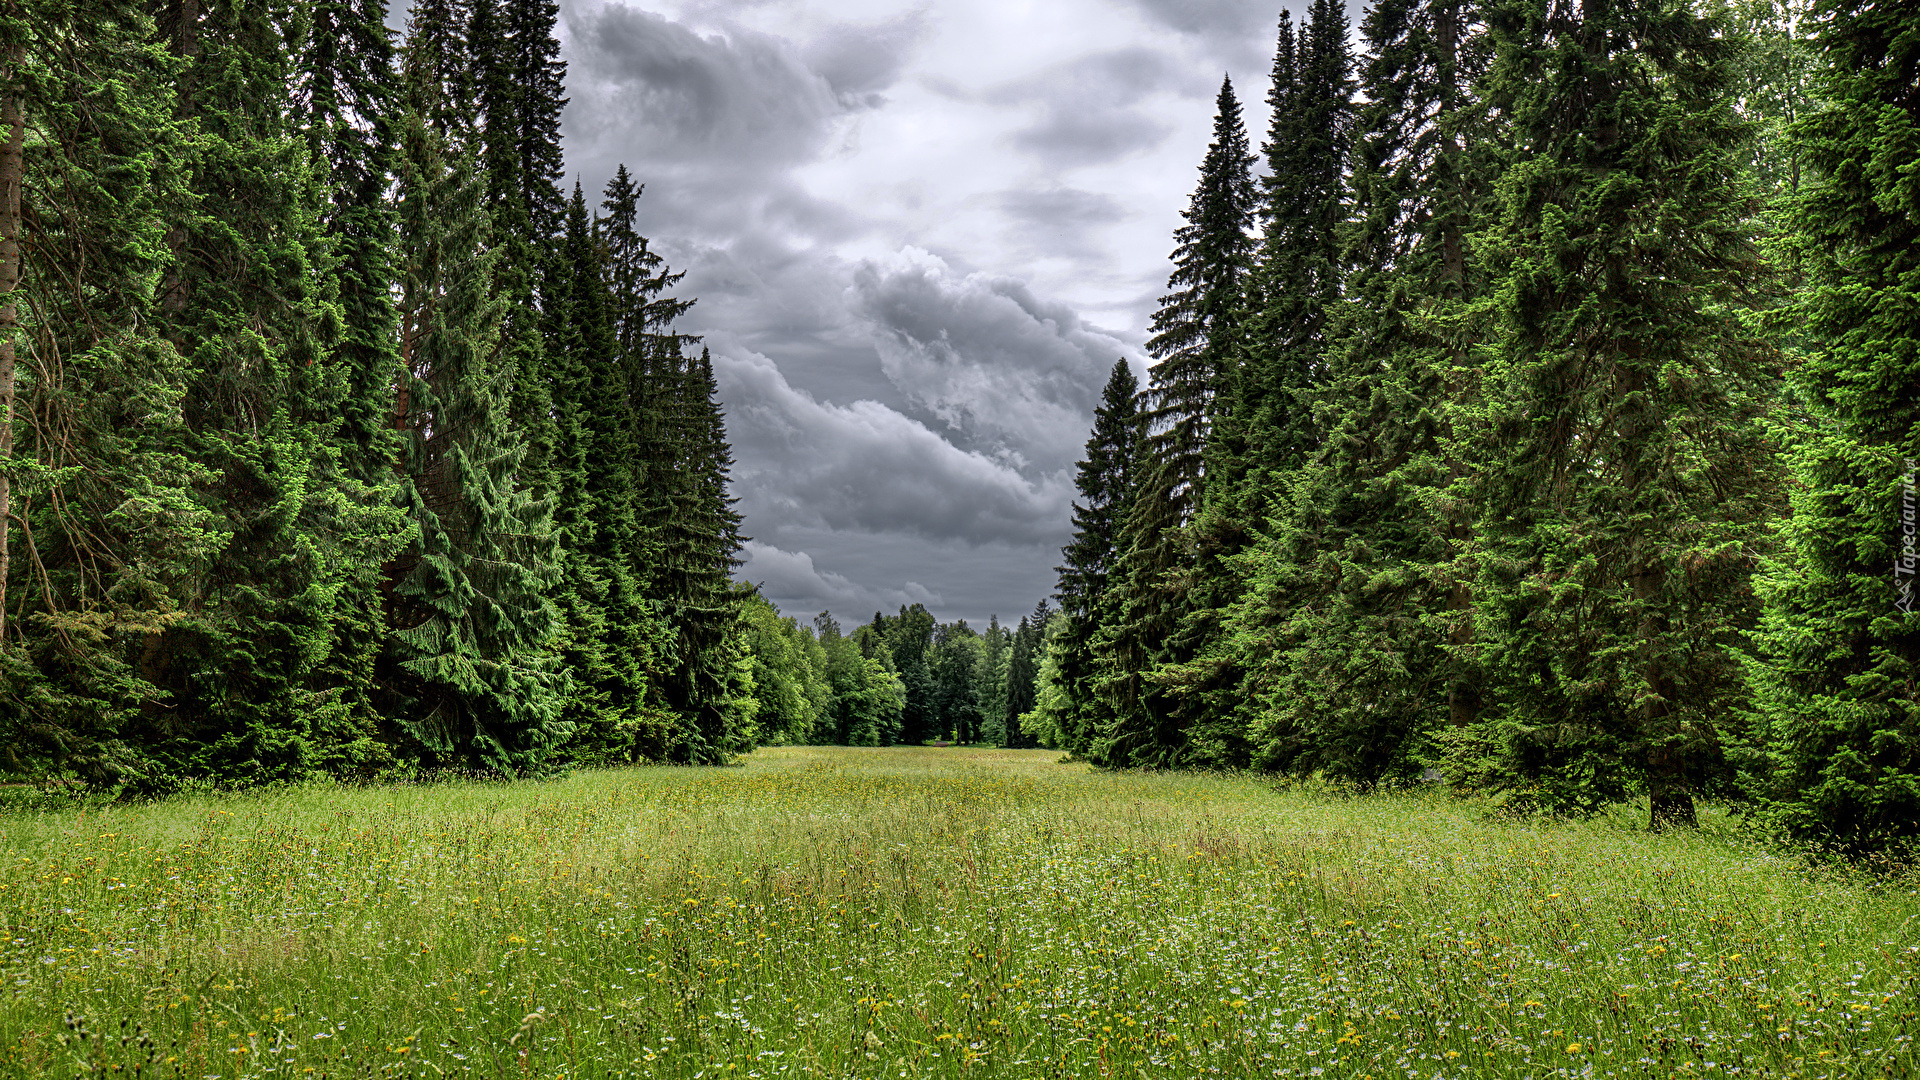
(346, 99)
(471, 677)
(694, 540)
(601, 649)
(1196, 340)
(1022, 669)
(517, 78)
(990, 682)
(633, 403)
(1106, 484)
(1622, 476)
(1299, 275)
(440, 70)
(1353, 598)
(1023, 676)
(1840, 644)
(1196, 329)
(101, 503)
(638, 278)
(1266, 429)
(250, 301)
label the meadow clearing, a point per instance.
(871, 914)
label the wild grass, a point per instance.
(928, 912)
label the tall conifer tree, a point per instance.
(1353, 597)
(1106, 484)
(471, 677)
(1840, 668)
(250, 300)
(1299, 278)
(347, 99)
(517, 80)
(1623, 476)
(1196, 339)
(695, 541)
(592, 493)
(101, 503)
(1267, 430)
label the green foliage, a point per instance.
(868, 697)
(990, 682)
(250, 300)
(951, 663)
(470, 671)
(283, 472)
(1106, 483)
(789, 675)
(111, 537)
(1839, 647)
(1622, 474)
(1196, 337)
(1052, 721)
(1351, 598)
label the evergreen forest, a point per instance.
(1533, 410)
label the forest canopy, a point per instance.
(1535, 405)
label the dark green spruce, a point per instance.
(1623, 478)
(1196, 340)
(1839, 650)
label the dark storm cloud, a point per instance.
(867, 467)
(1017, 375)
(716, 124)
(904, 430)
(1240, 32)
(1088, 106)
(744, 98)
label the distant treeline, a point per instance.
(901, 678)
(1544, 413)
(338, 438)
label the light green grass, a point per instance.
(928, 912)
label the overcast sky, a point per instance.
(920, 234)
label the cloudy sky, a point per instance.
(920, 232)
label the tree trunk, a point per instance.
(12, 118)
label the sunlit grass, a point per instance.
(928, 912)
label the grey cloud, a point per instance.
(968, 581)
(694, 96)
(1239, 32)
(1059, 222)
(866, 466)
(1218, 19)
(1063, 206)
(797, 587)
(1088, 113)
(1015, 375)
(860, 62)
(1067, 139)
(716, 124)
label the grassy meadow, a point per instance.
(928, 912)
